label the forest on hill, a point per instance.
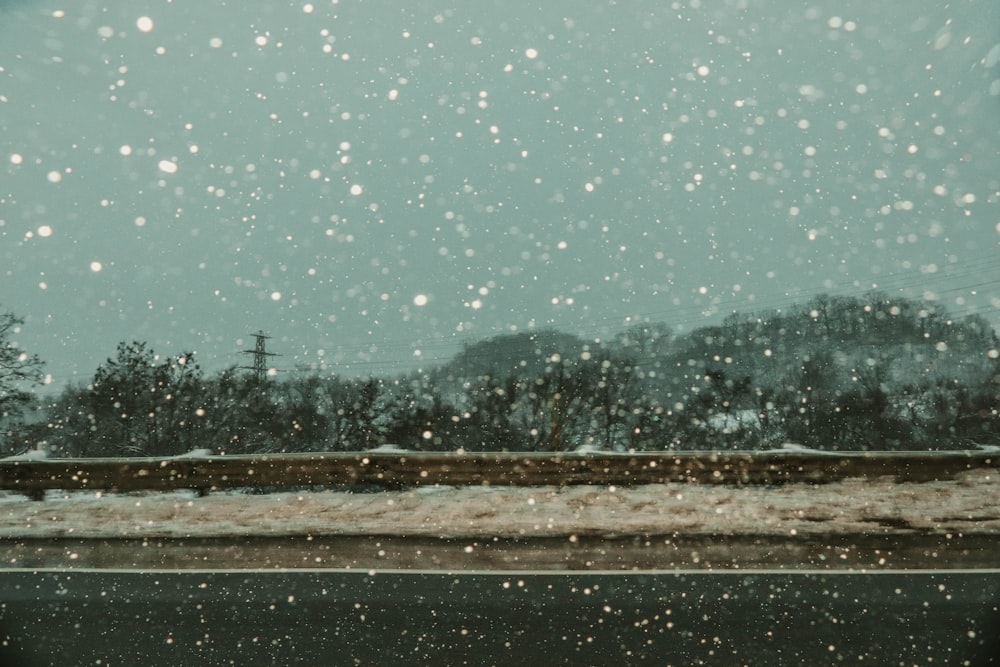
(837, 373)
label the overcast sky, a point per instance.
(375, 182)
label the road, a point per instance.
(396, 617)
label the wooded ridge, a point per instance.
(837, 373)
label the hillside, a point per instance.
(839, 372)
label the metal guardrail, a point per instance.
(33, 477)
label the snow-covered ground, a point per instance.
(969, 504)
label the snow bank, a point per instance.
(965, 505)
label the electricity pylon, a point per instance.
(260, 355)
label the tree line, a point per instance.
(837, 373)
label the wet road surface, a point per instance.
(416, 617)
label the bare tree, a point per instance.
(19, 370)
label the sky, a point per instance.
(374, 183)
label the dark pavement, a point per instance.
(344, 617)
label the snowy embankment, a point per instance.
(968, 504)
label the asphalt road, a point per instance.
(347, 617)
